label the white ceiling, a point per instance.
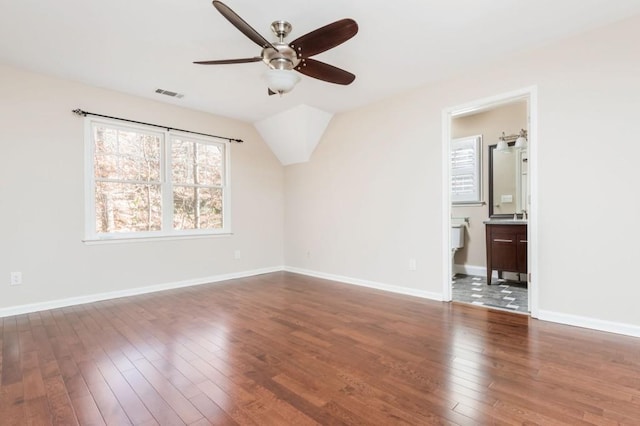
(137, 46)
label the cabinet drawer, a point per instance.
(503, 237)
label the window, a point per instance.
(466, 170)
(148, 183)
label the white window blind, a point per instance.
(466, 176)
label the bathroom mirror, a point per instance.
(508, 181)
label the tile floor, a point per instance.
(503, 294)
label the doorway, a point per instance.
(467, 120)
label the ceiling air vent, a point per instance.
(170, 93)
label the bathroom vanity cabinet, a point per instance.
(506, 247)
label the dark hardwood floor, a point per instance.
(285, 349)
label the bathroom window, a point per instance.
(466, 170)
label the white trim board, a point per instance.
(61, 303)
(590, 323)
(366, 283)
(479, 271)
(560, 318)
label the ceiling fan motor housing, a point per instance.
(285, 58)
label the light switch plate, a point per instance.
(16, 278)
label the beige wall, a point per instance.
(41, 196)
(510, 119)
(369, 200)
(371, 196)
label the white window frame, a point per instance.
(475, 196)
(167, 231)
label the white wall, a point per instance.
(41, 198)
(370, 197)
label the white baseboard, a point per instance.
(61, 303)
(566, 319)
(591, 323)
(365, 283)
(479, 271)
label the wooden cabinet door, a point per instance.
(503, 249)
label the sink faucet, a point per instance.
(524, 214)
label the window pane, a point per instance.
(106, 140)
(126, 155)
(197, 208)
(105, 166)
(127, 207)
(209, 164)
(182, 161)
(196, 163)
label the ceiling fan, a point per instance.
(282, 58)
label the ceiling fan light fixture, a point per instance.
(281, 81)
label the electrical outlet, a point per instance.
(16, 278)
(412, 264)
(236, 254)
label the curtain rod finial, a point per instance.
(78, 111)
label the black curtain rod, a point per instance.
(85, 113)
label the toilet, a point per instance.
(457, 241)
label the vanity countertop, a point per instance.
(505, 222)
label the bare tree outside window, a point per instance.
(197, 177)
(127, 175)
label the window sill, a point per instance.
(127, 240)
(468, 204)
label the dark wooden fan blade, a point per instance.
(324, 38)
(325, 72)
(242, 25)
(229, 61)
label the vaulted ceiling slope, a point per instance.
(139, 46)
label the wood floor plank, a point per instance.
(107, 403)
(11, 368)
(12, 406)
(186, 387)
(176, 400)
(211, 411)
(126, 396)
(38, 411)
(159, 408)
(285, 349)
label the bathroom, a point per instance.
(490, 200)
